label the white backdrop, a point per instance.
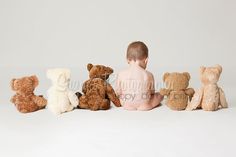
(74, 32)
(181, 35)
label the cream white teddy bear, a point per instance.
(60, 98)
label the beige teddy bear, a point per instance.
(210, 97)
(177, 91)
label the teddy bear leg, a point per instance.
(21, 109)
(54, 109)
(94, 104)
(69, 108)
(83, 102)
(26, 108)
(105, 105)
(223, 102)
(40, 101)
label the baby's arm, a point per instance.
(155, 98)
(149, 86)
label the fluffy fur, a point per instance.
(177, 91)
(60, 98)
(98, 92)
(210, 97)
(24, 99)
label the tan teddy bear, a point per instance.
(177, 90)
(210, 97)
(25, 100)
(97, 91)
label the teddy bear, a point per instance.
(210, 97)
(177, 91)
(24, 99)
(60, 98)
(97, 91)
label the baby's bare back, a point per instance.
(135, 86)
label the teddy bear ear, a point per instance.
(165, 76)
(89, 66)
(12, 84)
(202, 69)
(67, 73)
(109, 70)
(35, 80)
(219, 68)
(186, 74)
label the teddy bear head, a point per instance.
(210, 75)
(176, 81)
(99, 71)
(24, 85)
(60, 78)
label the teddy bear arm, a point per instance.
(84, 88)
(73, 99)
(13, 99)
(39, 100)
(165, 92)
(196, 100)
(112, 95)
(223, 102)
(190, 92)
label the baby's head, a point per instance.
(137, 52)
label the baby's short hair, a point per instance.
(137, 51)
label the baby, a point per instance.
(135, 85)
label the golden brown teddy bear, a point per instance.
(210, 97)
(97, 91)
(177, 90)
(24, 99)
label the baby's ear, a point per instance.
(12, 84)
(165, 76)
(187, 75)
(219, 68)
(35, 80)
(202, 69)
(89, 66)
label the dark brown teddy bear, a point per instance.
(97, 92)
(24, 99)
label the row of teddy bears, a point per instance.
(96, 95)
